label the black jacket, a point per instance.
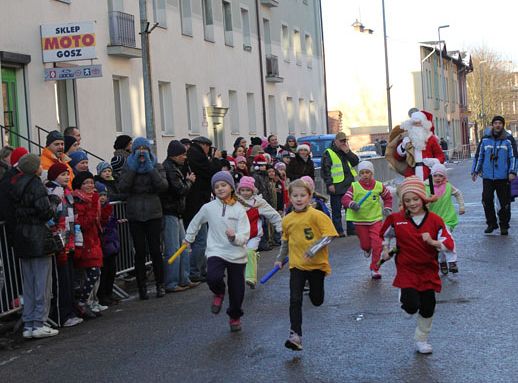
(33, 209)
(114, 193)
(143, 202)
(173, 201)
(201, 189)
(342, 187)
(262, 184)
(6, 204)
(298, 168)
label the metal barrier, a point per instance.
(11, 283)
(464, 152)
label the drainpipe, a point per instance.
(261, 68)
(324, 67)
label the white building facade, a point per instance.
(219, 68)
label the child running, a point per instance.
(420, 235)
(255, 207)
(228, 234)
(368, 217)
(444, 208)
(306, 232)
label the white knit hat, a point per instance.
(439, 169)
(303, 146)
(366, 165)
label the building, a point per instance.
(334, 121)
(220, 68)
(442, 90)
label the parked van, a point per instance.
(319, 144)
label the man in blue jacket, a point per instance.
(496, 162)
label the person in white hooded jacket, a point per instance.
(228, 234)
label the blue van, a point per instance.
(318, 144)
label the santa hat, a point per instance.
(439, 169)
(246, 182)
(303, 147)
(417, 118)
(260, 159)
(413, 184)
(429, 117)
(17, 154)
(366, 165)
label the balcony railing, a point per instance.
(272, 69)
(270, 3)
(122, 35)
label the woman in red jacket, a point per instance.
(88, 255)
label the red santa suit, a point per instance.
(416, 262)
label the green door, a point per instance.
(10, 120)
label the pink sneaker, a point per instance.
(235, 325)
(217, 302)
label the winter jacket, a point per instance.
(88, 216)
(272, 151)
(173, 200)
(262, 184)
(495, 158)
(32, 211)
(110, 240)
(201, 189)
(6, 204)
(4, 167)
(120, 155)
(340, 188)
(143, 202)
(64, 219)
(114, 193)
(299, 168)
(48, 159)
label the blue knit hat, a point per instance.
(101, 188)
(223, 176)
(140, 141)
(77, 157)
(102, 166)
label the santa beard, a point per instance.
(418, 135)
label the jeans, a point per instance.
(178, 272)
(336, 214)
(198, 258)
(503, 192)
(35, 272)
(422, 301)
(147, 233)
(298, 279)
(235, 280)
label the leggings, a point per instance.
(92, 275)
(422, 301)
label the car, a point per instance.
(367, 151)
(318, 143)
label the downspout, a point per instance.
(261, 68)
(324, 67)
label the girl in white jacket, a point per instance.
(228, 234)
(256, 207)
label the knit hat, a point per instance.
(185, 141)
(303, 147)
(121, 142)
(102, 166)
(101, 188)
(415, 185)
(256, 141)
(117, 163)
(69, 141)
(54, 136)
(498, 118)
(17, 154)
(175, 148)
(55, 170)
(237, 142)
(309, 181)
(225, 176)
(77, 157)
(280, 166)
(140, 141)
(29, 164)
(246, 182)
(366, 165)
(79, 178)
(240, 159)
(291, 137)
(260, 160)
(439, 169)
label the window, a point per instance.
(166, 107)
(272, 116)
(267, 36)
(234, 111)
(250, 104)
(186, 17)
(297, 48)
(122, 104)
(159, 11)
(245, 22)
(312, 117)
(290, 112)
(227, 23)
(303, 117)
(285, 42)
(309, 50)
(192, 109)
(208, 20)
(65, 103)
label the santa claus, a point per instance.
(413, 149)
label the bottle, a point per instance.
(78, 236)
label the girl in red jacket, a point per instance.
(88, 256)
(420, 235)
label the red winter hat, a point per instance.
(260, 160)
(55, 170)
(17, 154)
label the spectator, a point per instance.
(142, 179)
(32, 211)
(104, 175)
(79, 162)
(5, 160)
(301, 165)
(241, 169)
(200, 194)
(273, 146)
(122, 148)
(186, 142)
(338, 174)
(444, 146)
(54, 152)
(239, 151)
(71, 145)
(73, 132)
(239, 142)
(291, 144)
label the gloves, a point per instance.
(132, 162)
(401, 148)
(145, 154)
(147, 165)
(355, 206)
(430, 162)
(387, 211)
(405, 142)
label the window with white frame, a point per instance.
(227, 23)
(309, 50)
(65, 92)
(208, 20)
(165, 95)
(290, 113)
(285, 42)
(192, 109)
(250, 104)
(159, 11)
(297, 47)
(272, 115)
(234, 111)
(186, 17)
(313, 117)
(245, 24)
(122, 104)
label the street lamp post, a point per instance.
(442, 70)
(482, 110)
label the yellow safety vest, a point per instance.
(337, 169)
(371, 209)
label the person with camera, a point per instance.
(204, 161)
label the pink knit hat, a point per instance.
(240, 159)
(309, 181)
(439, 169)
(246, 182)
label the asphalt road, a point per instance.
(358, 335)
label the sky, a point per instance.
(355, 61)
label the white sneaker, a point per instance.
(423, 347)
(27, 333)
(44, 332)
(375, 274)
(367, 254)
(70, 322)
(97, 308)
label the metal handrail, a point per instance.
(3, 128)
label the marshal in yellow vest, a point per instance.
(337, 168)
(371, 209)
